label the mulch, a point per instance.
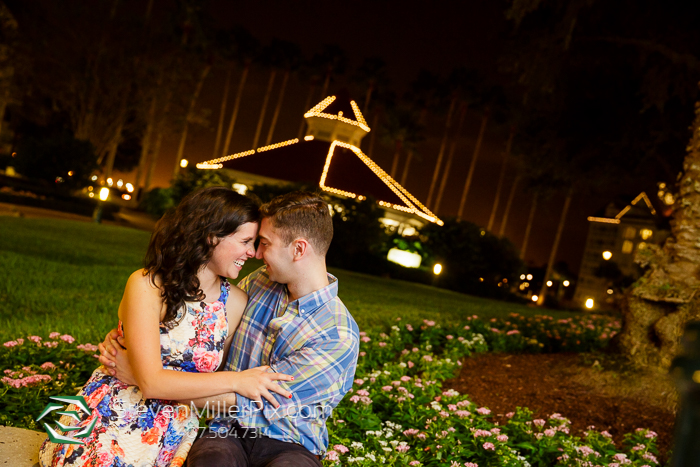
(503, 382)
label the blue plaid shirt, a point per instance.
(314, 339)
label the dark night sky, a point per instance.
(408, 36)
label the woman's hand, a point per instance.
(257, 383)
(108, 351)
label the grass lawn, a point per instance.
(67, 276)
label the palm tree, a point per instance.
(399, 130)
(450, 156)
(472, 165)
(289, 60)
(239, 46)
(528, 226)
(333, 59)
(370, 75)
(222, 113)
(509, 203)
(501, 177)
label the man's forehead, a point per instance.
(266, 228)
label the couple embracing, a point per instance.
(271, 358)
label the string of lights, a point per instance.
(317, 111)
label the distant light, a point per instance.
(183, 163)
(483, 232)
(104, 193)
(93, 178)
(437, 269)
(14, 154)
(566, 283)
(110, 182)
(308, 138)
(90, 188)
(589, 303)
(91, 195)
(240, 188)
(529, 277)
(129, 187)
(610, 291)
(646, 234)
(522, 277)
(505, 280)
(668, 198)
(607, 255)
(535, 298)
(404, 258)
(526, 284)
(120, 183)
(549, 283)
(662, 185)
(70, 173)
(481, 279)
(59, 180)
(406, 232)
(126, 196)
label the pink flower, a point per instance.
(539, 422)
(68, 338)
(463, 413)
(510, 414)
(355, 399)
(495, 330)
(362, 392)
(449, 337)
(550, 432)
(10, 344)
(359, 381)
(410, 432)
(340, 448)
(502, 438)
(410, 364)
(429, 322)
(412, 463)
(650, 457)
(489, 447)
(409, 327)
(35, 339)
(47, 366)
(479, 433)
(382, 344)
(205, 361)
(471, 464)
(606, 434)
(483, 410)
(54, 335)
(512, 332)
(421, 436)
(467, 327)
(403, 447)
(332, 456)
(405, 378)
(365, 339)
(387, 388)
(20, 341)
(362, 354)
(427, 358)
(87, 347)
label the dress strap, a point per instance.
(225, 289)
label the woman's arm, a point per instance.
(140, 311)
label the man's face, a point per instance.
(278, 256)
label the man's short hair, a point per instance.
(301, 214)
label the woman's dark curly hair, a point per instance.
(184, 240)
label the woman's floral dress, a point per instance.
(131, 430)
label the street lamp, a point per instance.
(97, 213)
(437, 269)
(607, 255)
(183, 163)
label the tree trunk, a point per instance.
(664, 300)
(372, 136)
(395, 162)
(326, 82)
(404, 175)
(113, 146)
(188, 117)
(234, 112)
(501, 177)
(441, 152)
(222, 114)
(509, 203)
(472, 166)
(263, 110)
(146, 143)
(528, 227)
(450, 156)
(555, 247)
(278, 107)
(368, 96)
(307, 107)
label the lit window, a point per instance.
(630, 232)
(646, 234)
(627, 247)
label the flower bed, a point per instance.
(397, 412)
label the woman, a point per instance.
(178, 313)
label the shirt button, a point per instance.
(302, 310)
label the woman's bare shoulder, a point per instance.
(141, 282)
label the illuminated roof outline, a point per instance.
(616, 220)
(411, 204)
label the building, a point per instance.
(329, 155)
(615, 237)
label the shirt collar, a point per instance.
(315, 300)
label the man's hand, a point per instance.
(256, 383)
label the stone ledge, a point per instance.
(20, 447)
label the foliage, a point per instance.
(358, 237)
(49, 154)
(473, 260)
(397, 412)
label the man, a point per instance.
(295, 323)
